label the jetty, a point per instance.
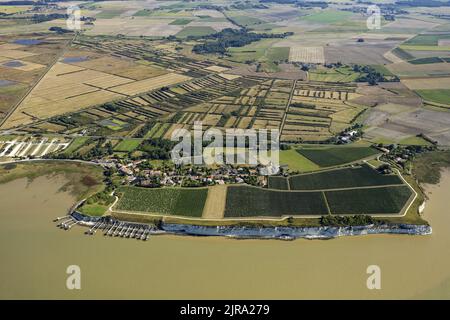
(110, 226)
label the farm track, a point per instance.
(291, 95)
(14, 108)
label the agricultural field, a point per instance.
(23, 59)
(296, 162)
(394, 123)
(360, 176)
(385, 200)
(163, 201)
(127, 145)
(252, 202)
(246, 201)
(343, 74)
(7, 9)
(307, 54)
(278, 183)
(435, 95)
(334, 156)
(67, 88)
(317, 111)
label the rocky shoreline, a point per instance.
(281, 233)
(291, 233)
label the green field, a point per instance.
(328, 16)
(435, 95)
(246, 201)
(342, 74)
(425, 48)
(414, 141)
(114, 124)
(181, 22)
(109, 14)
(426, 60)
(296, 162)
(195, 31)
(381, 69)
(402, 54)
(262, 51)
(165, 201)
(75, 144)
(277, 53)
(427, 39)
(152, 131)
(363, 176)
(143, 13)
(93, 209)
(13, 9)
(385, 200)
(127, 145)
(333, 156)
(246, 20)
(159, 132)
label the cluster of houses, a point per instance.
(402, 154)
(348, 136)
(141, 173)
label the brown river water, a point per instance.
(35, 254)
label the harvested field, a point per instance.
(369, 52)
(68, 88)
(307, 54)
(215, 202)
(139, 26)
(217, 68)
(427, 83)
(149, 84)
(407, 70)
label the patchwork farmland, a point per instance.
(318, 111)
(308, 195)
